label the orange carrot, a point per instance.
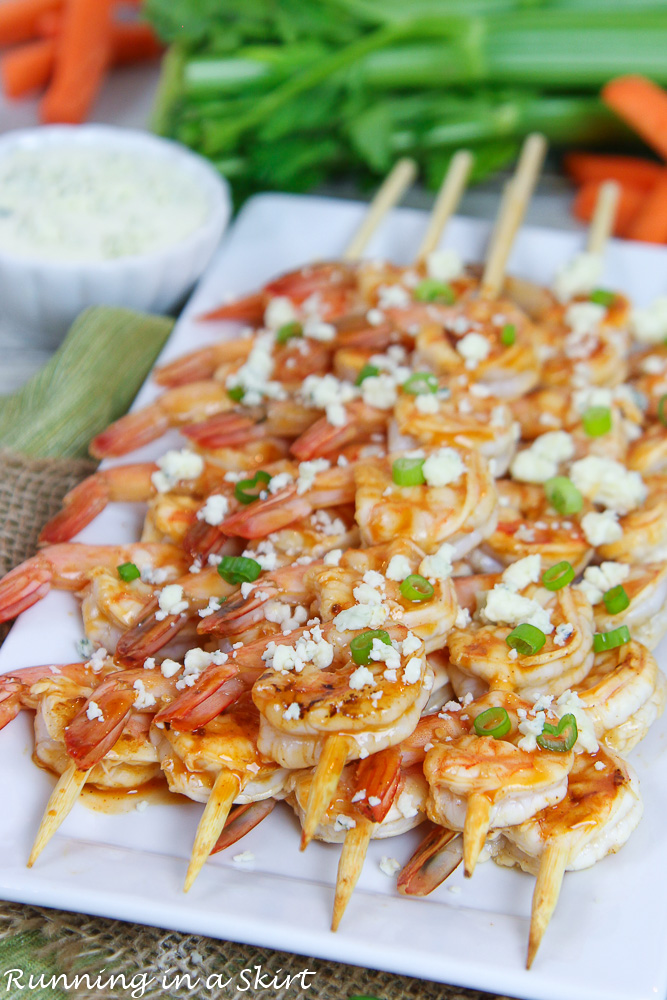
(643, 105)
(626, 170)
(134, 42)
(629, 204)
(82, 57)
(27, 67)
(651, 221)
(18, 19)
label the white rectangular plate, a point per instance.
(607, 938)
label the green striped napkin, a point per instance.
(90, 381)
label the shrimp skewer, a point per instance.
(601, 809)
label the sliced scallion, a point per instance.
(616, 600)
(596, 420)
(416, 588)
(420, 384)
(560, 738)
(526, 639)
(563, 495)
(408, 471)
(611, 640)
(508, 334)
(431, 290)
(289, 330)
(368, 371)
(362, 645)
(558, 576)
(248, 490)
(601, 297)
(493, 722)
(662, 414)
(238, 569)
(237, 392)
(128, 572)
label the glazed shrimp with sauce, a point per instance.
(563, 617)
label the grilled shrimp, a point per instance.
(528, 525)
(460, 512)
(480, 783)
(471, 346)
(566, 619)
(69, 567)
(601, 809)
(624, 693)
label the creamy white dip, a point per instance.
(92, 204)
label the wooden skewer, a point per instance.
(351, 862)
(512, 210)
(438, 855)
(324, 783)
(63, 797)
(475, 829)
(389, 194)
(604, 217)
(227, 786)
(449, 196)
(545, 896)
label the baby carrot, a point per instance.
(629, 203)
(18, 19)
(82, 57)
(643, 105)
(630, 171)
(27, 67)
(651, 221)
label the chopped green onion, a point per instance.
(431, 290)
(362, 645)
(408, 471)
(493, 722)
(561, 737)
(420, 384)
(602, 297)
(563, 495)
(257, 483)
(287, 331)
(508, 334)
(662, 416)
(416, 588)
(596, 421)
(128, 572)
(616, 600)
(238, 569)
(237, 392)
(526, 639)
(610, 640)
(558, 576)
(368, 371)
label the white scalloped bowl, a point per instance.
(43, 296)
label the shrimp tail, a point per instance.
(202, 540)
(190, 368)
(132, 431)
(241, 820)
(265, 516)
(379, 776)
(148, 636)
(236, 614)
(246, 310)
(24, 586)
(475, 829)
(80, 506)
(224, 430)
(351, 862)
(439, 854)
(215, 690)
(89, 738)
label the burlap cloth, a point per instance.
(31, 491)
